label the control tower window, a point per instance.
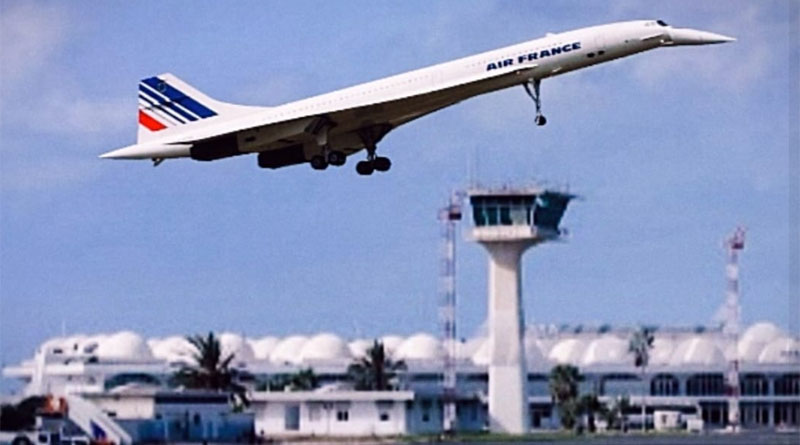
(661, 22)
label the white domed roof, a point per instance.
(153, 342)
(783, 350)
(606, 350)
(755, 339)
(358, 348)
(467, 349)
(324, 347)
(567, 351)
(763, 332)
(174, 349)
(391, 343)
(419, 347)
(481, 356)
(288, 350)
(697, 351)
(125, 345)
(534, 355)
(662, 351)
(237, 345)
(263, 347)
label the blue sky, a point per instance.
(670, 150)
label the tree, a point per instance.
(564, 391)
(640, 344)
(375, 371)
(303, 380)
(614, 414)
(211, 371)
(590, 406)
(21, 416)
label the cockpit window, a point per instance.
(661, 22)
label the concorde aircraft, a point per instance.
(177, 121)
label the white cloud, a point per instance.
(45, 96)
(734, 66)
(80, 116)
(29, 35)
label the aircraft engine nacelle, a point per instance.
(216, 148)
(282, 157)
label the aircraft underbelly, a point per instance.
(346, 122)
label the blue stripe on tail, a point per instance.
(177, 96)
(149, 94)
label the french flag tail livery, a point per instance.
(168, 104)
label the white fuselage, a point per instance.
(398, 99)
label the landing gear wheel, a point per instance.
(382, 164)
(365, 168)
(540, 120)
(336, 158)
(319, 163)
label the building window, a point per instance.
(754, 385)
(342, 415)
(705, 385)
(384, 416)
(664, 385)
(755, 414)
(787, 385)
(787, 414)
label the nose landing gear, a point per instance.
(539, 119)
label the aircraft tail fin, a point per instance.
(167, 104)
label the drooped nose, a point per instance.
(688, 36)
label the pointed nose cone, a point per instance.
(687, 36)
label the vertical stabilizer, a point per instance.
(168, 104)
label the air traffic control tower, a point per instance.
(507, 222)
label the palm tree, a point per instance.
(640, 344)
(303, 380)
(564, 391)
(590, 406)
(375, 371)
(614, 414)
(211, 371)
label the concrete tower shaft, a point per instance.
(507, 366)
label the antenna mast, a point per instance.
(449, 217)
(731, 323)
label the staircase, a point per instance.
(94, 422)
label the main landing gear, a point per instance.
(320, 128)
(370, 137)
(539, 119)
(328, 157)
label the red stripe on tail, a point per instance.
(150, 123)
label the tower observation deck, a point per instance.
(507, 222)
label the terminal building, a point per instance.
(686, 374)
